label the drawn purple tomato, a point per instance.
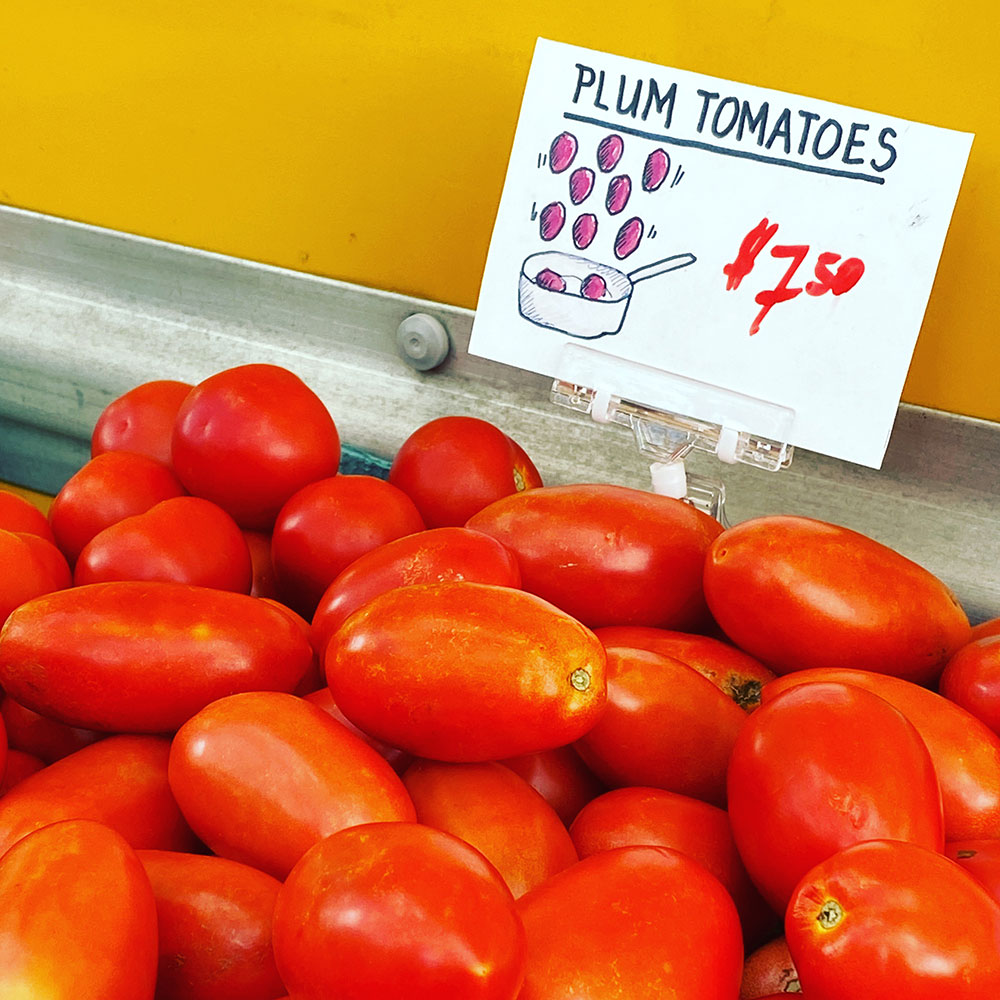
(548, 278)
(562, 151)
(609, 152)
(619, 189)
(628, 238)
(654, 173)
(581, 183)
(584, 230)
(551, 219)
(593, 287)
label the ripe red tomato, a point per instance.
(636, 922)
(466, 672)
(249, 437)
(798, 593)
(214, 927)
(182, 540)
(971, 679)
(498, 813)
(893, 919)
(40, 736)
(328, 524)
(262, 776)
(108, 488)
(20, 515)
(769, 972)
(561, 778)
(728, 668)
(120, 781)
(966, 754)
(987, 628)
(29, 567)
(665, 726)
(397, 910)
(821, 767)
(981, 859)
(431, 556)
(18, 767)
(455, 466)
(72, 655)
(607, 555)
(78, 920)
(259, 546)
(141, 420)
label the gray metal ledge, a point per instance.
(87, 313)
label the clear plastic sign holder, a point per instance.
(659, 407)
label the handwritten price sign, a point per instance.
(760, 243)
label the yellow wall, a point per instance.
(368, 141)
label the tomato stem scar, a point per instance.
(830, 914)
(580, 679)
(966, 854)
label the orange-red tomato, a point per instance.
(821, 767)
(29, 567)
(120, 781)
(987, 628)
(454, 466)
(44, 738)
(20, 515)
(971, 679)
(141, 420)
(19, 766)
(981, 859)
(608, 555)
(424, 557)
(259, 546)
(466, 672)
(665, 726)
(966, 754)
(728, 668)
(769, 971)
(262, 776)
(561, 778)
(636, 922)
(214, 927)
(500, 814)
(798, 593)
(73, 655)
(397, 910)
(892, 919)
(78, 920)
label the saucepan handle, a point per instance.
(661, 267)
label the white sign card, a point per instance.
(778, 247)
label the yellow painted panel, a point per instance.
(369, 142)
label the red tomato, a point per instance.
(4, 749)
(328, 524)
(466, 672)
(182, 540)
(249, 437)
(214, 928)
(501, 815)
(965, 753)
(641, 923)
(78, 920)
(561, 778)
(432, 556)
(729, 669)
(141, 420)
(821, 767)
(108, 488)
(27, 571)
(665, 726)
(453, 467)
(981, 859)
(18, 767)
(608, 555)
(769, 972)
(893, 919)
(259, 546)
(262, 776)
(21, 516)
(799, 593)
(397, 910)
(985, 629)
(971, 679)
(42, 737)
(72, 655)
(120, 781)
(631, 817)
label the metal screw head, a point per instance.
(422, 341)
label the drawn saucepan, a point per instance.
(569, 310)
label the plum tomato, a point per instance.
(561, 778)
(397, 910)
(466, 672)
(29, 567)
(987, 628)
(262, 569)
(981, 859)
(818, 768)
(605, 554)
(41, 736)
(796, 593)
(141, 420)
(19, 766)
(971, 679)
(636, 922)
(249, 437)
(769, 971)
(454, 466)
(328, 524)
(888, 918)
(20, 515)
(665, 726)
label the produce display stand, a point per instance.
(87, 313)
